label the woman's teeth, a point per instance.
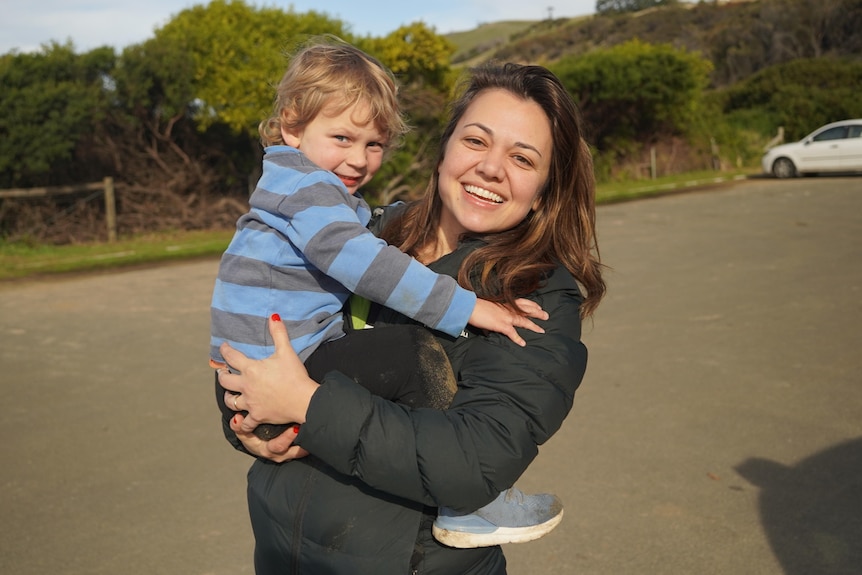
(484, 194)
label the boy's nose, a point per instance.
(357, 157)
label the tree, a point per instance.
(415, 54)
(419, 58)
(799, 95)
(238, 53)
(189, 101)
(49, 103)
(174, 119)
(635, 92)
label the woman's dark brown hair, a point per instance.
(561, 230)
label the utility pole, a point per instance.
(550, 12)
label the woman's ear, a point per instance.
(537, 201)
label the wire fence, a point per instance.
(104, 188)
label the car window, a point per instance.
(836, 133)
(854, 131)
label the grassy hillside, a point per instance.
(484, 40)
(739, 38)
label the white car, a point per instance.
(835, 147)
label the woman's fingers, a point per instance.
(281, 443)
(251, 442)
(234, 357)
(283, 348)
(230, 381)
(278, 331)
(274, 389)
(241, 362)
(231, 399)
(278, 449)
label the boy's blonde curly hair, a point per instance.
(328, 71)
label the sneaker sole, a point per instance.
(466, 540)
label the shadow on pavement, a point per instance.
(811, 511)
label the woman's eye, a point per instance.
(523, 160)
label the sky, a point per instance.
(26, 25)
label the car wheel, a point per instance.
(783, 168)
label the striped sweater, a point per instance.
(301, 250)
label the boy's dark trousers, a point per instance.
(402, 363)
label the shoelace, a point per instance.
(513, 493)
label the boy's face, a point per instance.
(341, 142)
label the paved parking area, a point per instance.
(719, 428)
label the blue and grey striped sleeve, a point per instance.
(324, 225)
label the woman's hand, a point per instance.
(272, 390)
(278, 449)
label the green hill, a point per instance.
(739, 38)
(482, 41)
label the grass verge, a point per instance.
(635, 189)
(20, 260)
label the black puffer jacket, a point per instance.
(363, 503)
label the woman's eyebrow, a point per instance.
(490, 132)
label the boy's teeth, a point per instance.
(483, 193)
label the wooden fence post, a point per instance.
(110, 209)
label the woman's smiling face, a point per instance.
(494, 165)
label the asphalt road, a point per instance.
(718, 430)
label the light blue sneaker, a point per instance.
(513, 517)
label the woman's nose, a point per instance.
(491, 166)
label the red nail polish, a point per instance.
(296, 429)
(276, 317)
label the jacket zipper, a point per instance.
(296, 544)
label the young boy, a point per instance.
(303, 247)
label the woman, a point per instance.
(510, 212)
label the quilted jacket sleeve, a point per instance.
(510, 400)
